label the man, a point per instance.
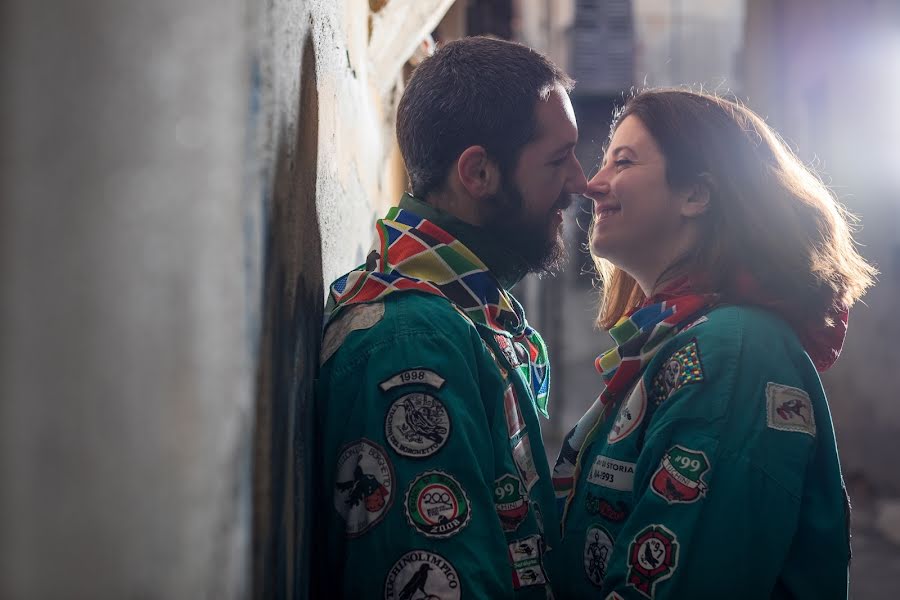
(434, 481)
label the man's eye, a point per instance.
(559, 162)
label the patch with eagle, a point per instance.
(364, 486)
(679, 478)
(652, 557)
(421, 575)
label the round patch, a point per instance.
(598, 546)
(511, 501)
(364, 486)
(436, 505)
(421, 574)
(630, 414)
(417, 425)
(652, 557)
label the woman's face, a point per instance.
(638, 222)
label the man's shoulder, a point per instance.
(363, 329)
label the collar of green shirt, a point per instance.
(505, 265)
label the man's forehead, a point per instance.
(556, 118)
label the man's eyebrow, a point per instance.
(564, 148)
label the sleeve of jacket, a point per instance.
(718, 482)
(406, 473)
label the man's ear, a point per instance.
(697, 201)
(478, 173)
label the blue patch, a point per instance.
(407, 218)
(393, 234)
(341, 284)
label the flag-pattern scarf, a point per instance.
(413, 254)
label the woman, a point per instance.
(707, 468)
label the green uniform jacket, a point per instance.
(452, 482)
(717, 476)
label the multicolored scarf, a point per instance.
(639, 337)
(413, 254)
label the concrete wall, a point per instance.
(180, 180)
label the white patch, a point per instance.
(417, 425)
(363, 486)
(352, 318)
(423, 376)
(789, 409)
(527, 562)
(525, 462)
(422, 574)
(631, 413)
(693, 324)
(614, 596)
(611, 473)
(598, 547)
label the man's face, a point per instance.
(540, 187)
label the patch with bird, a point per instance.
(679, 478)
(422, 575)
(364, 486)
(527, 558)
(630, 415)
(652, 557)
(417, 425)
(789, 409)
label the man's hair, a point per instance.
(769, 214)
(476, 91)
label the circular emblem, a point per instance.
(436, 505)
(598, 546)
(421, 574)
(363, 486)
(630, 414)
(417, 425)
(652, 557)
(510, 501)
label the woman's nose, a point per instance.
(597, 187)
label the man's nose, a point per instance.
(577, 183)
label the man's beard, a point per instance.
(541, 249)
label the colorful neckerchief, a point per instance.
(414, 255)
(639, 337)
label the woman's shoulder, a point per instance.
(732, 328)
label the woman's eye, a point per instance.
(622, 162)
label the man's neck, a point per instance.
(506, 266)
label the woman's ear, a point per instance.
(698, 198)
(478, 174)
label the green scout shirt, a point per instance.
(717, 476)
(431, 479)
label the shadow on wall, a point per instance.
(289, 348)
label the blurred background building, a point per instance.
(181, 181)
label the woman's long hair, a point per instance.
(770, 217)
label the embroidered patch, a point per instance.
(693, 324)
(525, 462)
(652, 557)
(682, 368)
(597, 505)
(789, 409)
(511, 501)
(539, 518)
(526, 557)
(611, 473)
(515, 424)
(506, 347)
(598, 546)
(614, 596)
(631, 413)
(436, 505)
(411, 376)
(417, 425)
(679, 478)
(421, 574)
(352, 318)
(364, 486)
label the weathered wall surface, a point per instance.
(180, 180)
